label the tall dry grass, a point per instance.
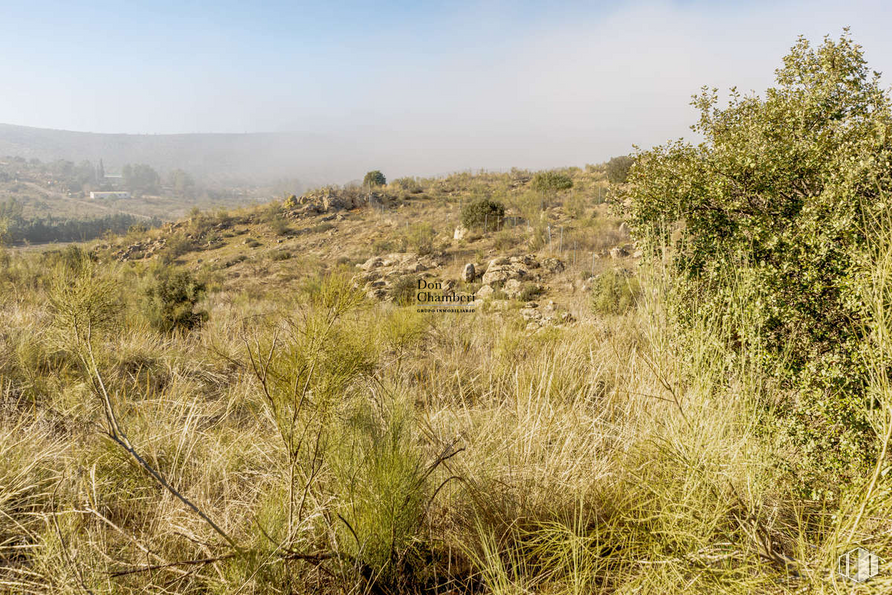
(318, 443)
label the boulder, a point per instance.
(460, 233)
(618, 252)
(372, 263)
(501, 270)
(553, 265)
(469, 273)
(485, 292)
(513, 288)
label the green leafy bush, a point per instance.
(420, 238)
(551, 181)
(177, 245)
(618, 168)
(171, 298)
(574, 206)
(374, 178)
(410, 185)
(482, 212)
(404, 290)
(530, 292)
(783, 193)
(614, 292)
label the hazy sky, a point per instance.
(485, 84)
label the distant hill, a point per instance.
(255, 157)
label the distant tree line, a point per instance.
(18, 230)
(138, 178)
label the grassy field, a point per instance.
(295, 436)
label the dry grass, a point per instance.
(304, 440)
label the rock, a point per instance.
(548, 315)
(638, 253)
(618, 252)
(460, 233)
(485, 292)
(531, 314)
(496, 276)
(553, 265)
(372, 263)
(468, 273)
(513, 288)
(527, 260)
(501, 270)
(379, 274)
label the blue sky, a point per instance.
(487, 84)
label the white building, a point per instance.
(115, 194)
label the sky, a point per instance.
(431, 85)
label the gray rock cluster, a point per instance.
(548, 315)
(331, 200)
(141, 250)
(512, 275)
(379, 273)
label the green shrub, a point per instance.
(410, 185)
(614, 292)
(618, 168)
(374, 178)
(574, 206)
(383, 246)
(177, 245)
(530, 292)
(171, 297)
(72, 258)
(383, 490)
(506, 240)
(482, 212)
(551, 181)
(420, 238)
(783, 193)
(404, 290)
(322, 227)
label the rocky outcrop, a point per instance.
(380, 273)
(329, 200)
(548, 315)
(140, 250)
(619, 252)
(512, 275)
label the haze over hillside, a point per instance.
(223, 157)
(312, 157)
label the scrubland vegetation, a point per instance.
(217, 418)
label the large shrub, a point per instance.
(618, 168)
(778, 201)
(374, 178)
(171, 299)
(482, 212)
(614, 292)
(551, 181)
